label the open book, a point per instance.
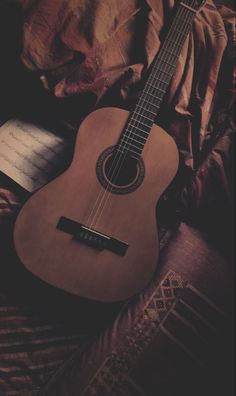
(32, 155)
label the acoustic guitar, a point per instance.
(92, 231)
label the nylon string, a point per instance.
(103, 196)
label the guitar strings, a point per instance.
(106, 203)
(181, 13)
(122, 155)
(149, 92)
(131, 139)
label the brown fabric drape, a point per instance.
(90, 46)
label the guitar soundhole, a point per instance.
(118, 173)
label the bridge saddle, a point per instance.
(91, 237)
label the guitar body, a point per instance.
(60, 259)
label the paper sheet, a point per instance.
(31, 155)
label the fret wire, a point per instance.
(158, 88)
(147, 118)
(164, 49)
(181, 32)
(148, 104)
(139, 129)
(151, 104)
(168, 73)
(168, 69)
(133, 145)
(143, 136)
(193, 10)
(118, 150)
(141, 121)
(132, 142)
(148, 110)
(173, 42)
(144, 98)
(174, 32)
(172, 53)
(186, 23)
(165, 75)
(172, 47)
(125, 150)
(174, 50)
(162, 71)
(154, 96)
(135, 120)
(136, 135)
(137, 132)
(135, 152)
(135, 140)
(158, 79)
(149, 101)
(169, 64)
(182, 35)
(130, 139)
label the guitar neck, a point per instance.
(141, 121)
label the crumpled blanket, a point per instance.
(106, 46)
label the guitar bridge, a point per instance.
(91, 237)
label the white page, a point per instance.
(31, 155)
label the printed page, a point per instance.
(31, 155)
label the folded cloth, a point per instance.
(85, 46)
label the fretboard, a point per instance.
(142, 118)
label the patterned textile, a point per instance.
(117, 365)
(171, 339)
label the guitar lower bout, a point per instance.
(103, 249)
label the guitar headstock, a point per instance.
(195, 5)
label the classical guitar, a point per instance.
(92, 231)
